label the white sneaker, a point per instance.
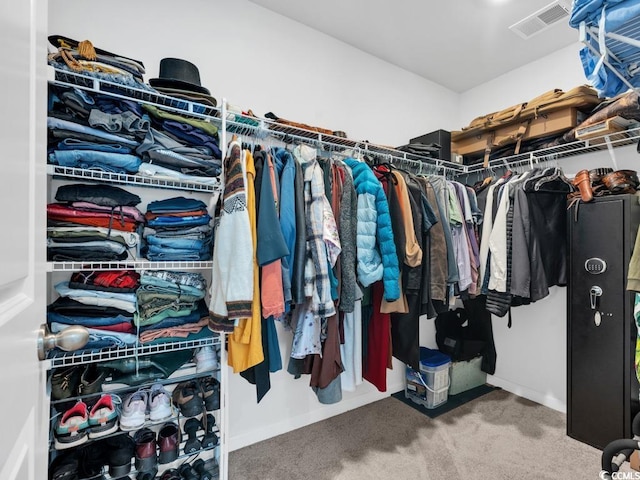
(134, 410)
(160, 408)
(206, 359)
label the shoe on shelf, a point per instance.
(210, 438)
(211, 393)
(121, 451)
(200, 467)
(72, 428)
(146, 454)
(92, 457)
(149, 475)
(160, 408)
(103, 417)
(187, 472)
(134, 410)
(168, 442)
(211, 466)
(206, 359)
(64, 382)
(187, 396)
(91, 380)
(191, 427)
(65, 466)
(171, 474)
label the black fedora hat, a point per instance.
(179, 74)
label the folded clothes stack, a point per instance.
(94, 131)
(186, 147)
(178, 229)
(122, 307)
(424, 150)
(83, 58)
(170, 304)
(104, 302)
(93, 223)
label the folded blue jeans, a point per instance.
(91, 158)
(77, 144)
(54, 317)
(58, 123)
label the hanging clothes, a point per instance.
(405, 327)
(231, 294)
(245, 342)
(271, 243)
(323, 247)
(347, 229)
(378, 344)
(376, 252)
(286, 171)
(351, 348)
(438, 264)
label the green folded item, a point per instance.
(203, 125)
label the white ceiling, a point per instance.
(457, 43)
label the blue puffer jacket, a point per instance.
(373, 232)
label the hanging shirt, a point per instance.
(245, 343)
(231, 293)
(458, 237)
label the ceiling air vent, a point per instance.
(541, 20)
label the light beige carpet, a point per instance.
(497, 436)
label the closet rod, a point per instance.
(261, 128)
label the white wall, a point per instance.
(532, 354)
(266, 62)
(561, 69)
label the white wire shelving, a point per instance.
(58, 358)
(128, 265)
(126, 179)
(256, 129)
(251, 127)
(619, 49)
(606, 143)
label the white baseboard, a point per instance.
(272, 430)
(539, 397)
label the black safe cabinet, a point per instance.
(602, 390)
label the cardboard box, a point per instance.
(552, 123)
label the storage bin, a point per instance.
(429, 386)
(466, 375)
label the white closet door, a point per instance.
(23, 447)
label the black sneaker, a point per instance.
(92, 457)
(187, 472)
(211, 393)
(191, 427)
(210, 438)
(64, 466)
(187, 396)
(121, 449)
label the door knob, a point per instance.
(71, 338)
